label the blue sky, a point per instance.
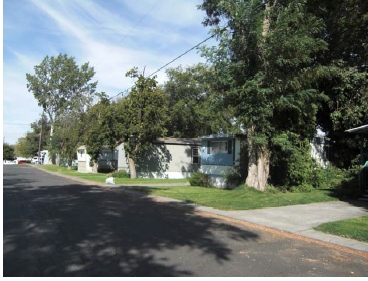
(112, 35)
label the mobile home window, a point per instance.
(215, 147)
(195, 155)
(81, 152)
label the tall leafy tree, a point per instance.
(61, 86)
(266, 67)
(8, 151)
(347, 90)
(191, 105)
(29, 145)
(26, 147)
(103, 128)
(69, 132)
(143, 115)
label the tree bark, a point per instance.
(94, 169)
(133, 173)
(258, 165)
(266, 20)
(258, 169)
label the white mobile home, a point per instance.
(173, 158)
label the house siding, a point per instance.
(217, 164)
(220, 159)
(83, 160)
(168, 158)
(167, 161)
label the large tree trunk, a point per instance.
(133, 173)
(259, 164)
(57, 159)
(258, 169)
(94, 168)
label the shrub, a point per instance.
(292, 167)
(200, 179)
(233, 178)
(303, 188)
(349, 187)
(120, 174)
(273, 190)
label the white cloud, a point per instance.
(113, 36)
(177, 13)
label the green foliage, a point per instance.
(327, 178)
(347, 87)
(294, 170)
(233, 177)
(103, 123)
(350, 102)
(69, 133)
(144, 114)
(292, 165)
(62, 89)
(266, 65)
(349, 186)
(270, 74)
(302, 188)
(120, 174)
(27, 146)
(200, 179)
(60, 85)
(270, 189)
(193, 107)
(8, 151)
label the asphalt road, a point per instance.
(53, 226)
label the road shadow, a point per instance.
(77, 230)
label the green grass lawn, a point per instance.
(101, 177)
(241, 198)
(351, 228)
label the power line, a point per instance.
(162, 67)
(213, 35)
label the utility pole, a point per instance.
(39, 142)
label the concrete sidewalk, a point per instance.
(295, 219)
(301, 219)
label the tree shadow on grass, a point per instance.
(348, 192)
(78, 230)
